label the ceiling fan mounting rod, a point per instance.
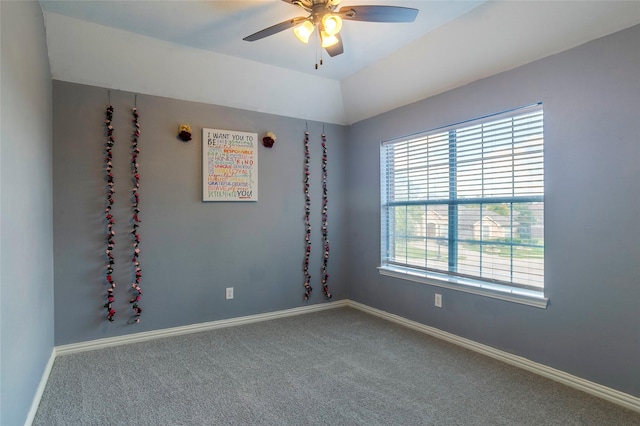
(304, 4)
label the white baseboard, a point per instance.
(31, 415)
(600, 391)
(193, 328)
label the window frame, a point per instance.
(505, 290)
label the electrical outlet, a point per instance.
(438, 300)
(229, 293)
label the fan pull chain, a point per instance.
(316, 47)
(318, 40)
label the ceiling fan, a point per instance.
(327, 19)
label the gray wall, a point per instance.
(591, 328)
(191, 250)
(26, 256)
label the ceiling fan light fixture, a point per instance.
(331, 24)
(304, 31)
(328, 40)
(327, 18)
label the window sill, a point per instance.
(525, 297)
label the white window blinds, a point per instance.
(468, 200)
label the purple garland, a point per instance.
(110, 233)
(325, 216)
(135, 220)
(307, 213)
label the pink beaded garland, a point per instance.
(109, 219)
(307, 214)
(325, 221)
(135, 219)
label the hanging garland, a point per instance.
(110, 234)
(307, 213)
(325, 233)
(135, 220)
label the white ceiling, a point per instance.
(194, 50)
(220, 26)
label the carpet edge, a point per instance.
(612, 395)
(31, 415)
(192, 328)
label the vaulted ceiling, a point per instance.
(193, 50)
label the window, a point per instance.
(463, 205)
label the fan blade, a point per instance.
(336, 49)
(274, 29)
(378, 13)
